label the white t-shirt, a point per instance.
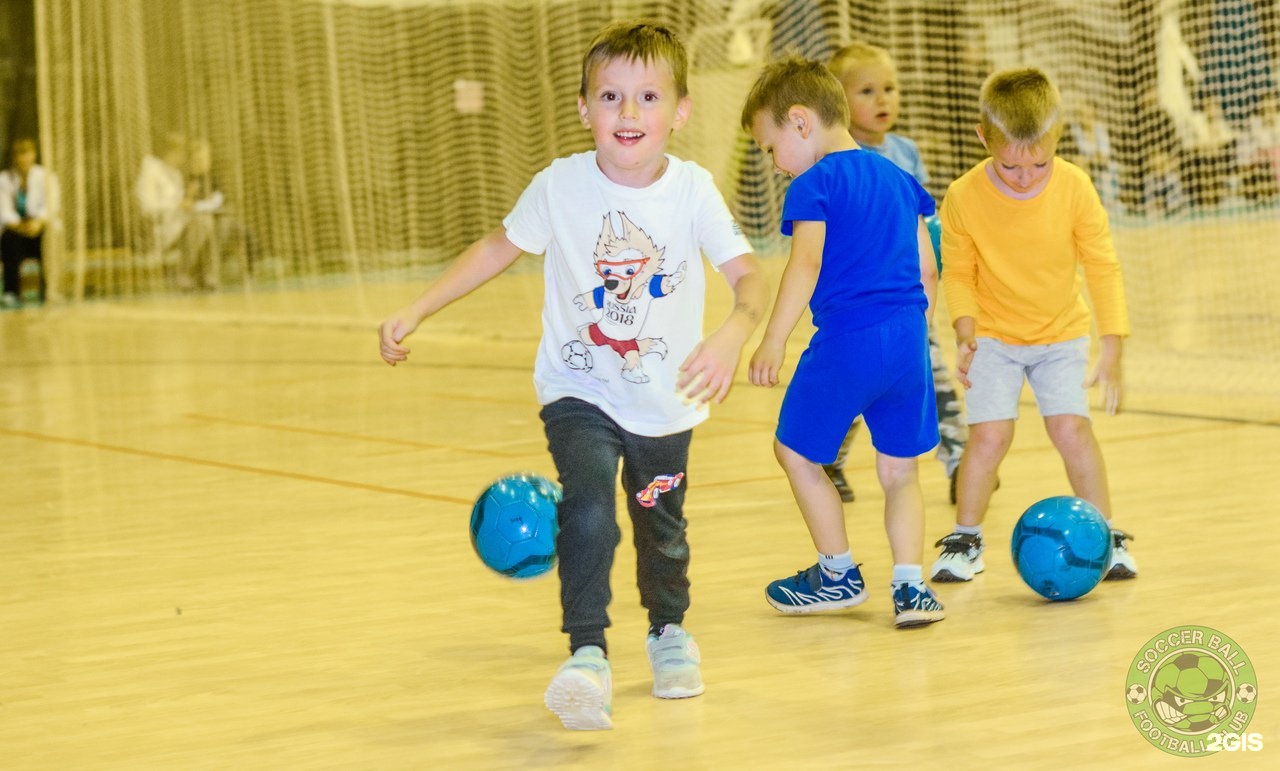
(625, 284)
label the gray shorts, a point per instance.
(1055, 371)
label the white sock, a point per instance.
(836, 564)
(908, 574)
(969, 530)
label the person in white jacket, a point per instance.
(25, 193)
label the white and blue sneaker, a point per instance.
(814, 589)
(581, 693)
(915, 604)
(674, 658)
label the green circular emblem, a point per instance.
(1191, 691)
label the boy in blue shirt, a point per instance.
(861, 257)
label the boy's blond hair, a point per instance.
(795, 81)
(641, 41)
(858, 54)
(1020, 107)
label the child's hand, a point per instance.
(1106, 373)
(766, 362)
(393, 331)
(707, 372)
(964, 357)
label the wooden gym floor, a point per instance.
(231, 537)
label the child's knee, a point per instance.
(992, 436)
(896, 472)
(1069, 431)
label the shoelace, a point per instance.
(1119, 537)
(960, 543)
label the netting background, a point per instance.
(360, 141)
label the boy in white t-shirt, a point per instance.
(622, 370)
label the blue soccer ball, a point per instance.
(514, 525)
(1061, 547)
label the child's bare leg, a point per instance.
(835, 582)
(914, 603)
(817, 498)
(988, 444)
(1073, 436)
(903, 508)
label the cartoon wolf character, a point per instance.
(628, 265)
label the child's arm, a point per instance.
(928, 269)
(798, 281)
(707, 373)
(1107, 372)
(480, 262)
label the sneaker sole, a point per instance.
(816, 607)
(909, 618)
(1119, 573)
(945, 576)
(577, 702)
(679, 692)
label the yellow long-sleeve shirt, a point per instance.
(1013, 264)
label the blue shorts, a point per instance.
(881, 372)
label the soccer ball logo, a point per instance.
(1191, 693)
(576, 355)
(1189, 689)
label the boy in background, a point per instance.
(870, 80)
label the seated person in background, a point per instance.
(168, 203)
(24, 210)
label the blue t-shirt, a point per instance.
(871, 258)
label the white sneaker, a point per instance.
(1122, 564)
(961, 558)
(674, 658)
(581, 693)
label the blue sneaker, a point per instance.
(914, 605)
(813, 590)
(581, 693)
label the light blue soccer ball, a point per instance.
(514, 525)
(1061, 547)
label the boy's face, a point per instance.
(872, 92)
(631, 108)
(788, 145)
(1023, 169)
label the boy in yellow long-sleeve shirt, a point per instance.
(1015, 230)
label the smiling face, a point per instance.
(632, 107)
(1020, 171)
(872, 92)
